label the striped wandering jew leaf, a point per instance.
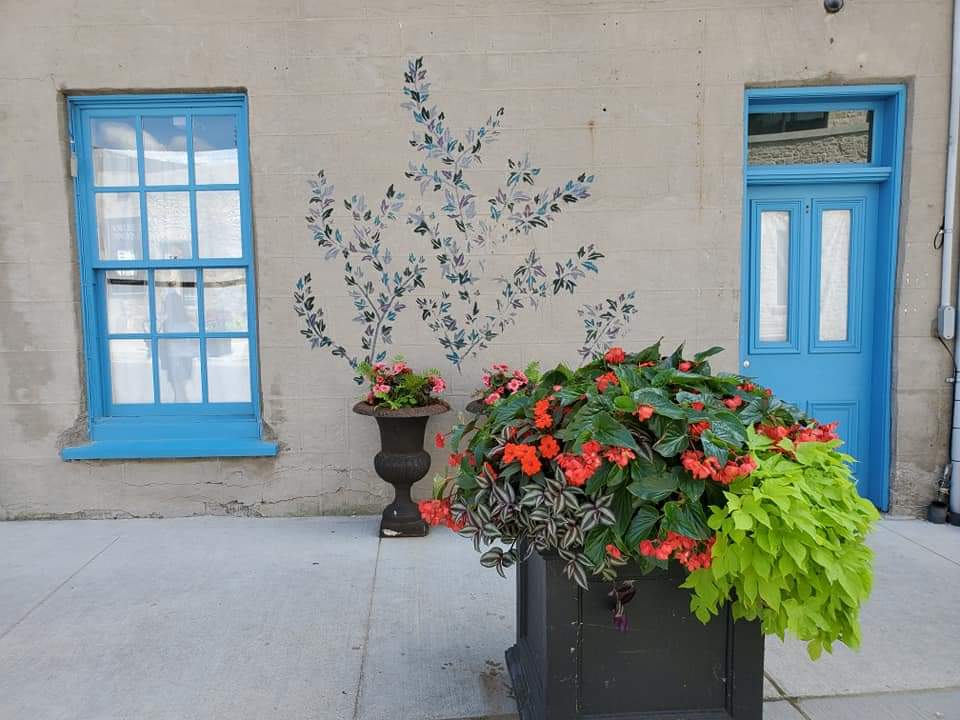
(589, 521)
(607, 517)
(532, 496)
(491, 557)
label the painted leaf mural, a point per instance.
(459, 229)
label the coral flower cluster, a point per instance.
(395, 385)
(606, 380)
(437, 512)
(708, 468)
(526, 454)
(579, 468)
(499, 381)
(615, 356)
(542, 419)
(799, 433)
(689, 552)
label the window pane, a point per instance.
(839, 136)
(131, 371)
(128, 306)
(834, 274)
(176, 300)
(774, 274)
(165, 150)
(168, 225)
(215, 149)
(118, 226)
(225, 300)
(114, 148)
(228, 370)
(218, 224)
(179, 370)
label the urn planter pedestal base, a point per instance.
(571, 663)
(402, 461)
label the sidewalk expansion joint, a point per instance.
(886, 526)
(366, 632)
(792, 701)
(50, 594)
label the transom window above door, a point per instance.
(814, 137)
(164, 225)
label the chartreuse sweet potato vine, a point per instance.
(790, 545)
(646, 459)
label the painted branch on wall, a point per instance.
(458, 318)
(462, 319)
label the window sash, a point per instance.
(83, 111)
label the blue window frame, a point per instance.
(168, 296)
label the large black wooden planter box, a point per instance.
(570, 663)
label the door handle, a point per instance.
(746, 363)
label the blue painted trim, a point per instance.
(123, 430)
(143, 449)
(890, 198)
(803, 174)
(167, 264)
(889, 104)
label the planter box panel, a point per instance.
(570, 663)
(681, 663)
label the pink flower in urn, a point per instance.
(437, 384)
(486, 379)
(501, 367)
(380, 366)
(399, 367)
(514, 385)
(492, 398)
(521, 376)
(381, 389)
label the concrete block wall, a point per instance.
(646, 94)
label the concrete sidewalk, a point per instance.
(246, 619)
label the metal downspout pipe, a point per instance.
(946, 314)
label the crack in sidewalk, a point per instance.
(57, 588)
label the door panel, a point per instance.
(811, 309)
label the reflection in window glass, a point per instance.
(165, 150)
(218, 224)
(225, 299)
(179, 370)
(176, 300)
(803, 138)
(168, 225)
(228, 370)
(118, 226)
(215, 149)
(128, 306)
(131, 371)
(834, 274)
(114, 149)
(774, 274)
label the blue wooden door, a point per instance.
(811, 325)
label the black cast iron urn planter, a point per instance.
(571, 663)
(402, 461)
